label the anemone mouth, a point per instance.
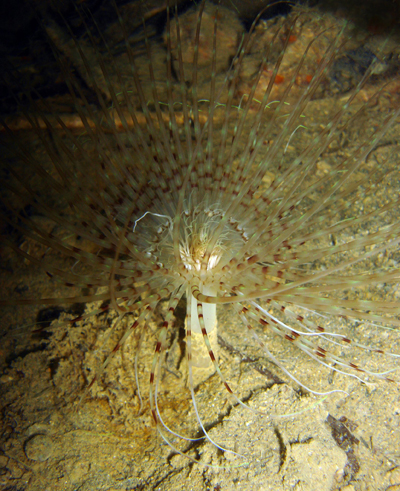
(192, 254)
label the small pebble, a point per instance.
(3, 461)
(39, 448)
(5, 379)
